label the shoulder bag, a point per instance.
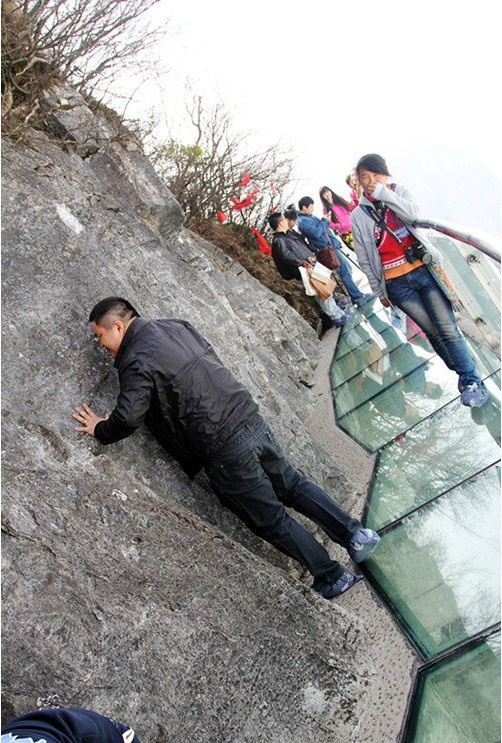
(327, 255)
(323, 287)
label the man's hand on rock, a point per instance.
(87, 418)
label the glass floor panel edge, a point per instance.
(370, 354)
(439, 569)
(458, 699)
(379, 373)
(388, 415)
(437, 454)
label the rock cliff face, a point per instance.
(127, 588)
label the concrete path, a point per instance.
(394, 659)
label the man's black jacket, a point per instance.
(172, 380)
(289, 250)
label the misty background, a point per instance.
(415, 83)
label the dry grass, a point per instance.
(239, 243)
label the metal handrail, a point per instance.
(485, 243)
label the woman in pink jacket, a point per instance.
(337, 209)
(352, 182)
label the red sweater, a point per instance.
(390, 250)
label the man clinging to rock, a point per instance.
(172, 381)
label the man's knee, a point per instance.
(291, 487)
(274, 525)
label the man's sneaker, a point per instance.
(362, 544)
(474, 395)
(343, 303)
(330, 589)
(339, 322)
(364, 299)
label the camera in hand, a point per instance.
(417, 252)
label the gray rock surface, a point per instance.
(127, 589)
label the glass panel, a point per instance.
(372, 348)
(355, 331)
(434, 456)
(459, 701)
(353, 336)
(476, 279)
(351, 364)
(399, 407)
(440, 568)
(486, 361)
(380, 372)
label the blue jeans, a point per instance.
(345, 274)
(417, 294)
(252, 477)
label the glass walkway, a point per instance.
(435, 501)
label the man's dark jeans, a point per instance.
(253, 478)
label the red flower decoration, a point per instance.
(263, 245)
(238, 204)
(244, 180)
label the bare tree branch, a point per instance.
(84, 42)
(204, 175)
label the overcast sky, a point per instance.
(418, 83)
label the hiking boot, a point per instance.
(474, 395)
(330, 589)
(362, 544)
(364, 299)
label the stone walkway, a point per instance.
(394, 659)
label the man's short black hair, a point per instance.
(274, 220)
(374, 163)
(290, 212)
(305, 201)
(116, 307)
